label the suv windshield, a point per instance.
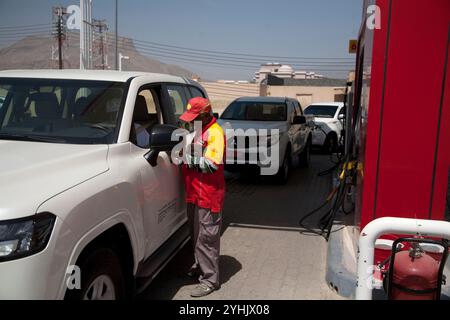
(255, 111)
(321, 111)
(63, 111)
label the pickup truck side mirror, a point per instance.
(161, 141)
(299, 120)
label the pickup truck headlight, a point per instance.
(24, 237)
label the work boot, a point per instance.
(201, 290)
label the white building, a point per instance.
(284, 72)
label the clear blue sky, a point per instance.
(298, 28)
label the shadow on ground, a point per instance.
(174, 276)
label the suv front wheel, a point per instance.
(101, 278)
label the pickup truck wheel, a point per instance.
(283, 172)
(305, 156)
(101, 278)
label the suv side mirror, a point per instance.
(299, 120)
(341, 116)
(161, 141)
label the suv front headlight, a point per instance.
(24, 237)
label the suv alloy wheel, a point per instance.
(101, 277)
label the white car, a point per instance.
(281, 114)
(89, 198)
(328, 117)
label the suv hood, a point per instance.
(31, 173)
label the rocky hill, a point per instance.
(35, 52)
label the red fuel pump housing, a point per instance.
(415, 277)
(402, 77)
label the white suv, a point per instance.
(328, 117)
(89, 197)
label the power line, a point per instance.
(238, 60)
(227, 66)
(218, 59)
(10, 34)
(242, 54)
(255, 58)
(248, 67)
(235, 56)
(17, 38)
(33, 26)
(216, 62)
(24, 32)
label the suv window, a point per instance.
(178, 102)
(145, 116)
(195, 92)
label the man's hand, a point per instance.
(193, 156)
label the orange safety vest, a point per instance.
(207, 190)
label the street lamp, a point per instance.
(121, 56)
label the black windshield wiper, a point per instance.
(36, 138)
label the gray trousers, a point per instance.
(205, 236)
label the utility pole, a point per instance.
(89, 33)
(86, 34)
(59, 13)
(117, 58)
(82, 33)
(101, 28)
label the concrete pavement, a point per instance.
(264, 254)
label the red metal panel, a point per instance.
(413, 90)
(442, 173)
(401, 102)
(375, 43)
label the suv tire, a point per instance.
(101, 277)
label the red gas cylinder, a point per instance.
(415, 276)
